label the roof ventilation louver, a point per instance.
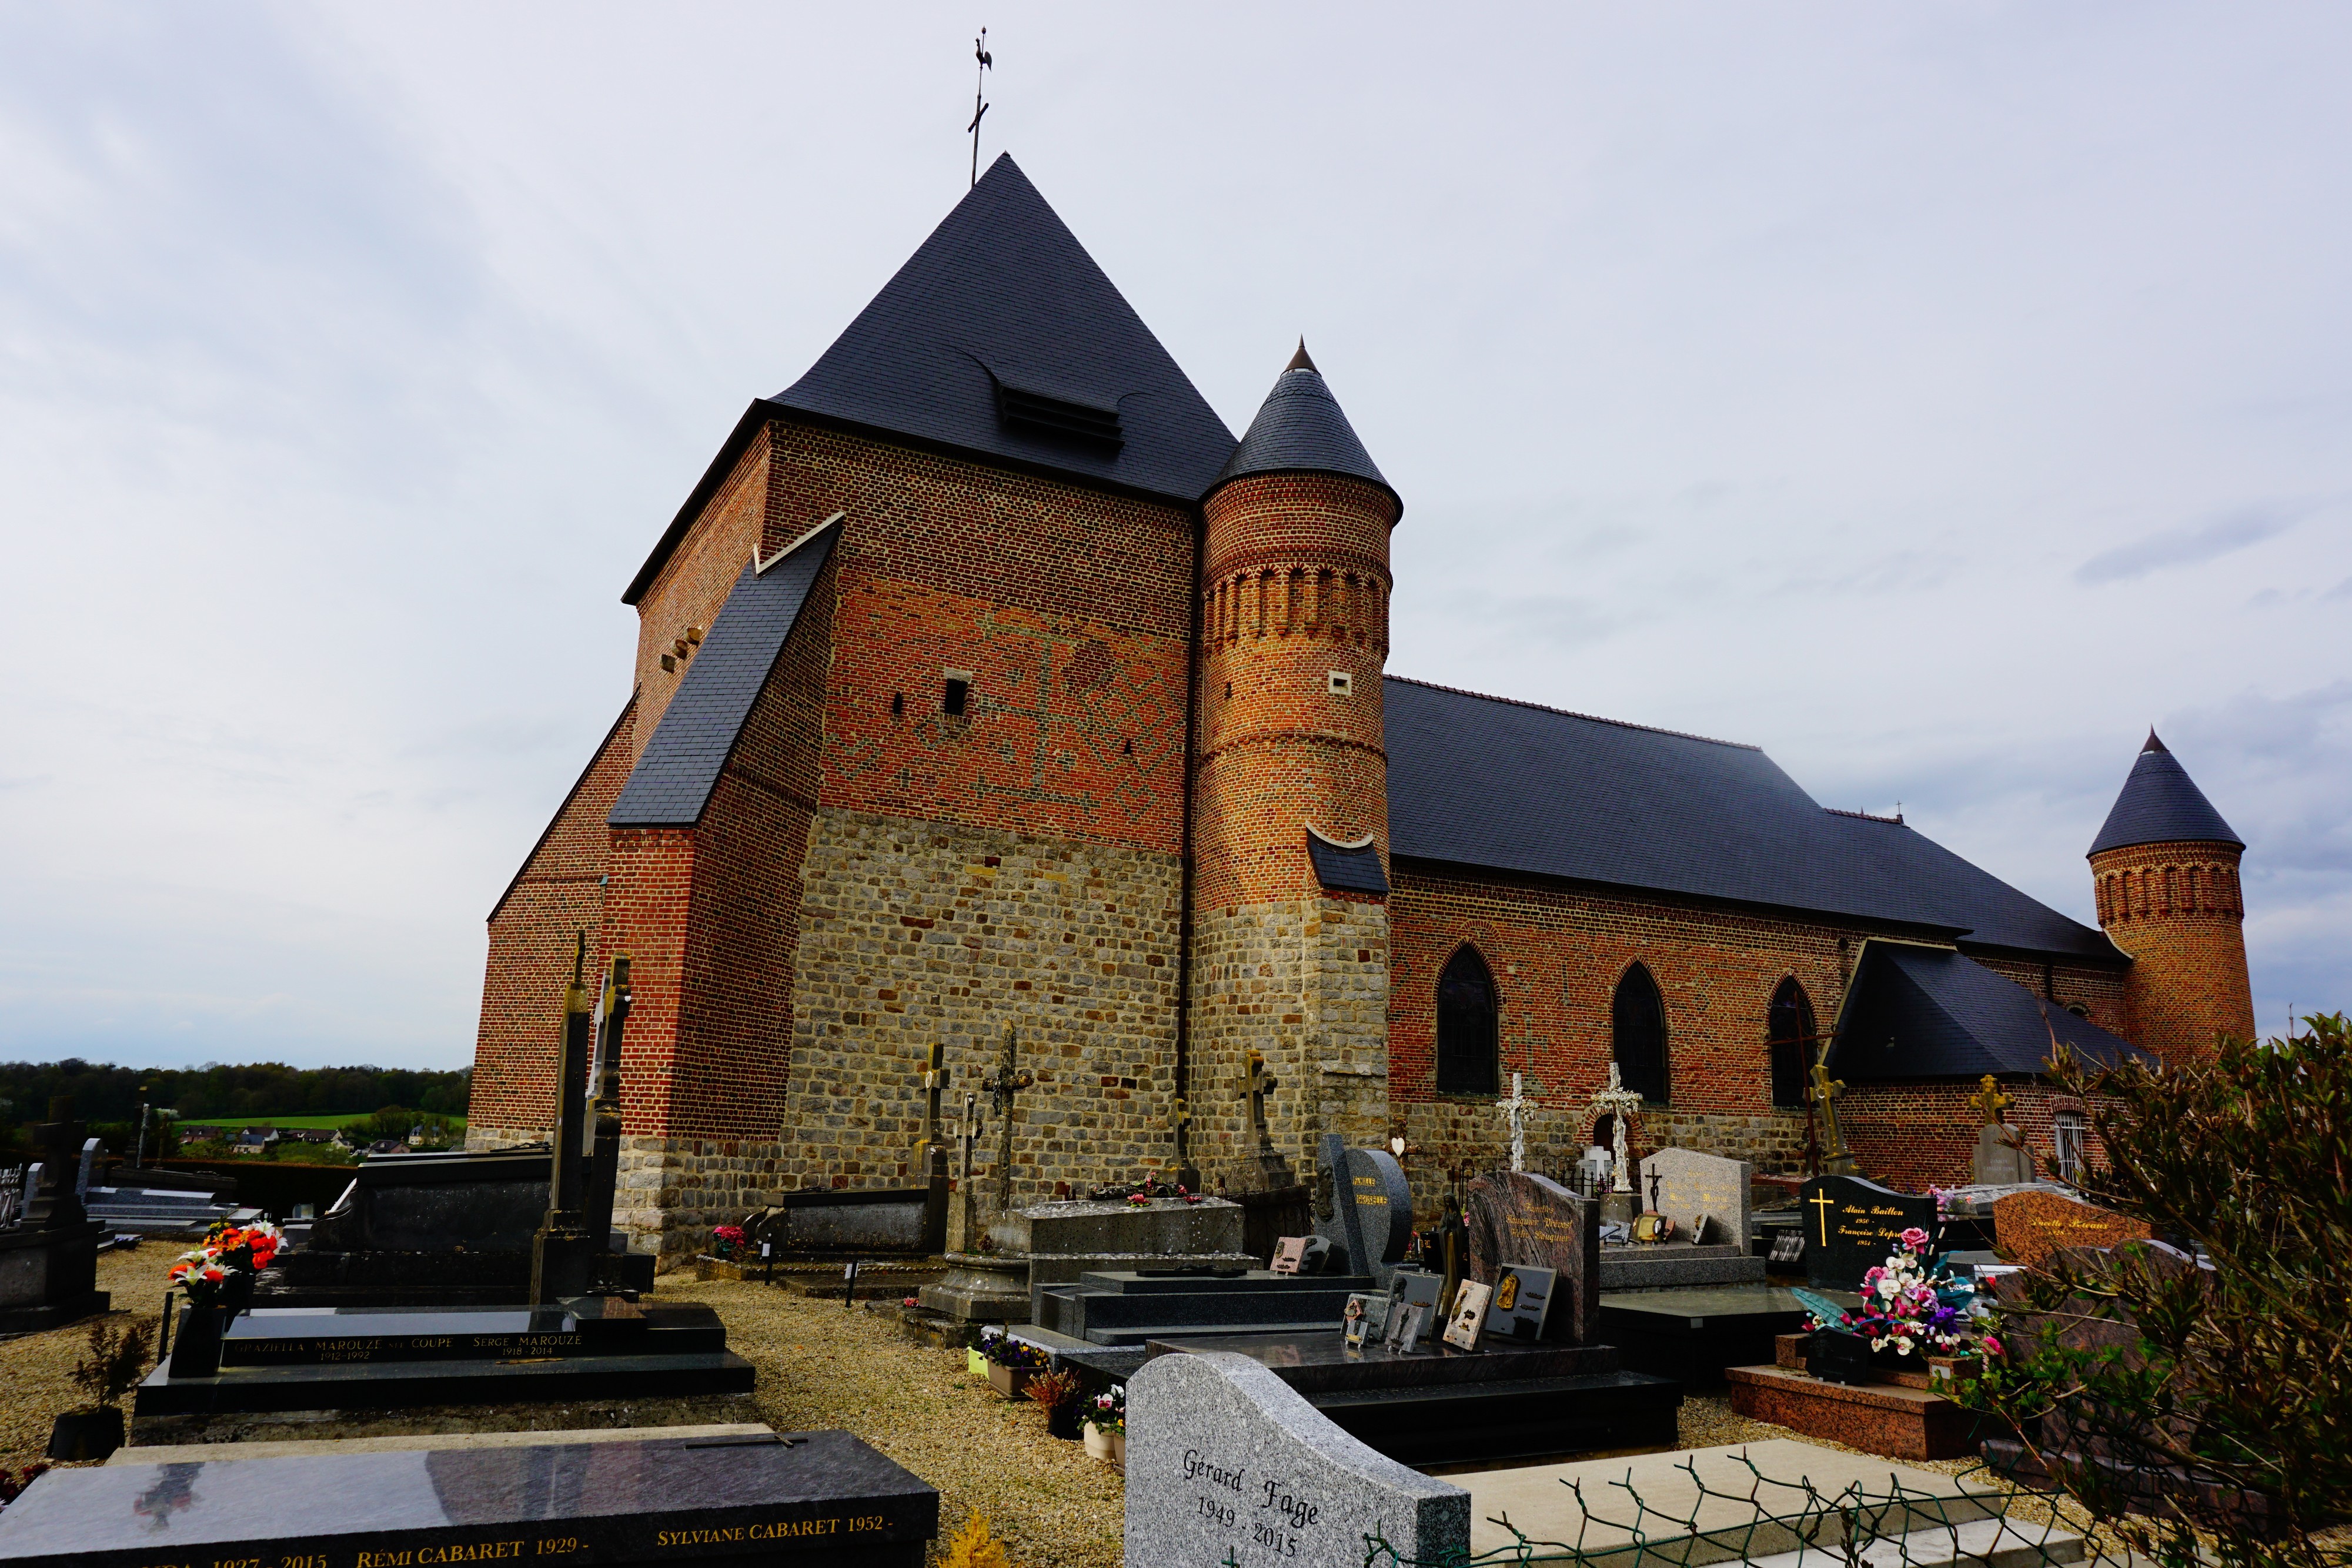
(1042, 414)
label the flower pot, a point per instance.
(1098, 1443)
(1838, 1358)
(974, 1363)
(86, 1434)
(1013, 1382)
(1063, 1420)
(196, 1345)
(1119, 1449)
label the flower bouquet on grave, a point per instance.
(1011, 1363)
(726, 1240)
(1058, 1392)
(1910, 1307)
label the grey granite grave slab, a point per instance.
(814, 1499)
(2001, 1157)
(1227, 1463)
(1370, 1217)
(1665, 1263)
(411, 1384)
(1691, 1184)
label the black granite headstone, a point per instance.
(813, 1500)
(1851, 1225)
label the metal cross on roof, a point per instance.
(979, 106)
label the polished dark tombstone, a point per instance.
(335, 1336)
(810, 1500)
(48, 1260)
(1851, 1225)
(1516, 1216)
(1692, 1332)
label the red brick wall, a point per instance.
(556, 893)
(1917, 1135)
(2178, 910)
(698, 575)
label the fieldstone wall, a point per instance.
(916, 931)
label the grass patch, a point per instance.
(325, 1123)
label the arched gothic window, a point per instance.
(1637, 1016)
(1790, 1027)
(1466, 1012)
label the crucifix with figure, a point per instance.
(1989, 1099)
(1003, 1085)
(928, 1151)
(1515, 1111)
(1839, 1160)
(1619, 1103)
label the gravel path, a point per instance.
(37, 1370)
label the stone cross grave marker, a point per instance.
(1003, 1085)
(1619, 1103)
(1517, 1217)
(1851, 1225)
(1254, 1089)
(2029, 1226)
(1837, 1159)
(2001, 1157)
(1227, 1465)
(1688, 1184)
(1515, 1112)
(934, 1081)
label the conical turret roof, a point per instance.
(2161, 804)
(1299, 429)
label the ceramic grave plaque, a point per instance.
(1692, 1184)
(1522, 1300)
(2029, 1226)
(1226, 1464)
(1851, 1225)
(1519, 1218)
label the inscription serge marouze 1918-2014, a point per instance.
(1851, 1225)
(1228, 1466)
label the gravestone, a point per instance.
(818, 1499)
(1691, 1184)
(1851, 1225)
(2029, 1226)
(90, 1152)
(1226, 1464)
(1517, 1217)
(48, 1260)
(2001, 1158)
(1371, 1209)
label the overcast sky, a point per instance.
(1936, 395)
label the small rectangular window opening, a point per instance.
(957, 691)
(1342, 683)
(2068, 1129)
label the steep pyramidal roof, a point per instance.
(2161, 804)
(1000, 337)
(1924, 1012)
(1301, 429)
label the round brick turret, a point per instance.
(2165, 867)
(1295, 622)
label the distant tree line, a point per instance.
(258, 1090)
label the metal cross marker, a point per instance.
(1618, 1104)
(969, 1135)
(934, 1084)
(1256, 1087)
(1839, 1160)
(1515, 1111)
(1003, 1085)
(1991, 1100)
(1821, 1201)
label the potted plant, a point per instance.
(218, 1279)
(726, 1240)
(112, 1366)
(1012, 1365)
(1058, 1392)
(1105, 1419)
(1910, 1309)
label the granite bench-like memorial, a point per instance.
(809, 1500)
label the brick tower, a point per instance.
(1290, 831)
(2165, 868)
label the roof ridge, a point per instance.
(1894, 820)
(1572, 713)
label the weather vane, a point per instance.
(978, 104)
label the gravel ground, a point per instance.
(37, 1370)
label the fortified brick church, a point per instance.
(985, 679)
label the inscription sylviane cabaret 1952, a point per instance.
(539, 1549)
(1274, 1515)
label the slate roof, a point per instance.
(679, 767)
(1002, 295)
(1301, 429)
(1498, 785)
(1345, 868)
(1925, 1012)
(2161, 804)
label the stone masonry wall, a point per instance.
(916, 931)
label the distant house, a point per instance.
(310, 1136)
(387, 1146)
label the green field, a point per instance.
(327, 1124)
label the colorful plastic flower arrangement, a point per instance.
(1004, 1350)
(227, 1250)
(1107, 1412)
(1908, 1305)
(726, 1240)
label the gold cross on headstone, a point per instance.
(1821, 1201)
(1991, 1100)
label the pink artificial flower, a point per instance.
(1916, 1240)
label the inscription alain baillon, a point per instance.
(430, 1555)
(1274, 1516)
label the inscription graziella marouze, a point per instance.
(1273, 1514)
(326, 1350)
